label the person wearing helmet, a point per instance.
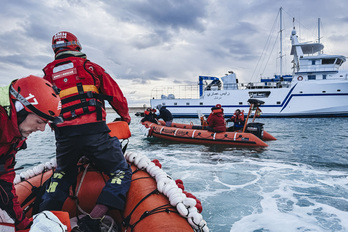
(165, 114)
(216, 119)
(26, 105)
(84, 86)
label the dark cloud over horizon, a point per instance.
(148, 43)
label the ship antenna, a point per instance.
(281, 40)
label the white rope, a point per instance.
(167, 186)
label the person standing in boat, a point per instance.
(165, 114)
(237, 119)
(216, 120)
(150, 115)
(84, 87)
(26, 105)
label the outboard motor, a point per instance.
(255, 128)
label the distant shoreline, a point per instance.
(131, 109)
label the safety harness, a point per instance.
(77, 84)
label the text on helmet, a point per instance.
(60, 35)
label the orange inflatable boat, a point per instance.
(199, 136)
(148, 209)
(155, 202)
(251, 128)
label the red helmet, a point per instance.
(65, 40)
(218, 106)
(37, 96)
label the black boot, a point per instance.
(88, 224)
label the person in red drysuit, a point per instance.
(216, 120)
(26, 105)
(84, 86)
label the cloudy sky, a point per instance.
(145, 44)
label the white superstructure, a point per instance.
(316, 88)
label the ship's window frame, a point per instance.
(312, 77)
(201, 103)
(324, 76)
(175, 103)
(339, 62)
(240, 103)
(187, 103)
(259, 94)
(278, 102)
(328, 61)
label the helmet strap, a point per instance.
(27, 104)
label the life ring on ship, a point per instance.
(300, 78)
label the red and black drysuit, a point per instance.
(84, 86)
(11, 141)
(216, 121)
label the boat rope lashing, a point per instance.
(164, 208)
(124, 148)
(9, 171)
(36, 192)
(126, 220)
(193, 133)
(75, 193)
(175, 132)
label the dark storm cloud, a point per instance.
(156, 42)
(174, 14)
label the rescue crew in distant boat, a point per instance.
(237, 119)
(165, 114)
(216, 120)
(150, 115)
(84, 86)
(26, 105)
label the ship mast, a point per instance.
(281, 41)
(319, 34)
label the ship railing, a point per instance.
(175, 92)
(192, 91)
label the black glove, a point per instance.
(120, 119)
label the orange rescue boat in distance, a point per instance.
(197, 136)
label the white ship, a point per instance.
(316, 88)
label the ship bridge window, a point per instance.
(311, 77)
(339, 62)
(324, 77)
(259, 94)
(328, 61)
(313, 62)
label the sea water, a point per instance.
(298, 183)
